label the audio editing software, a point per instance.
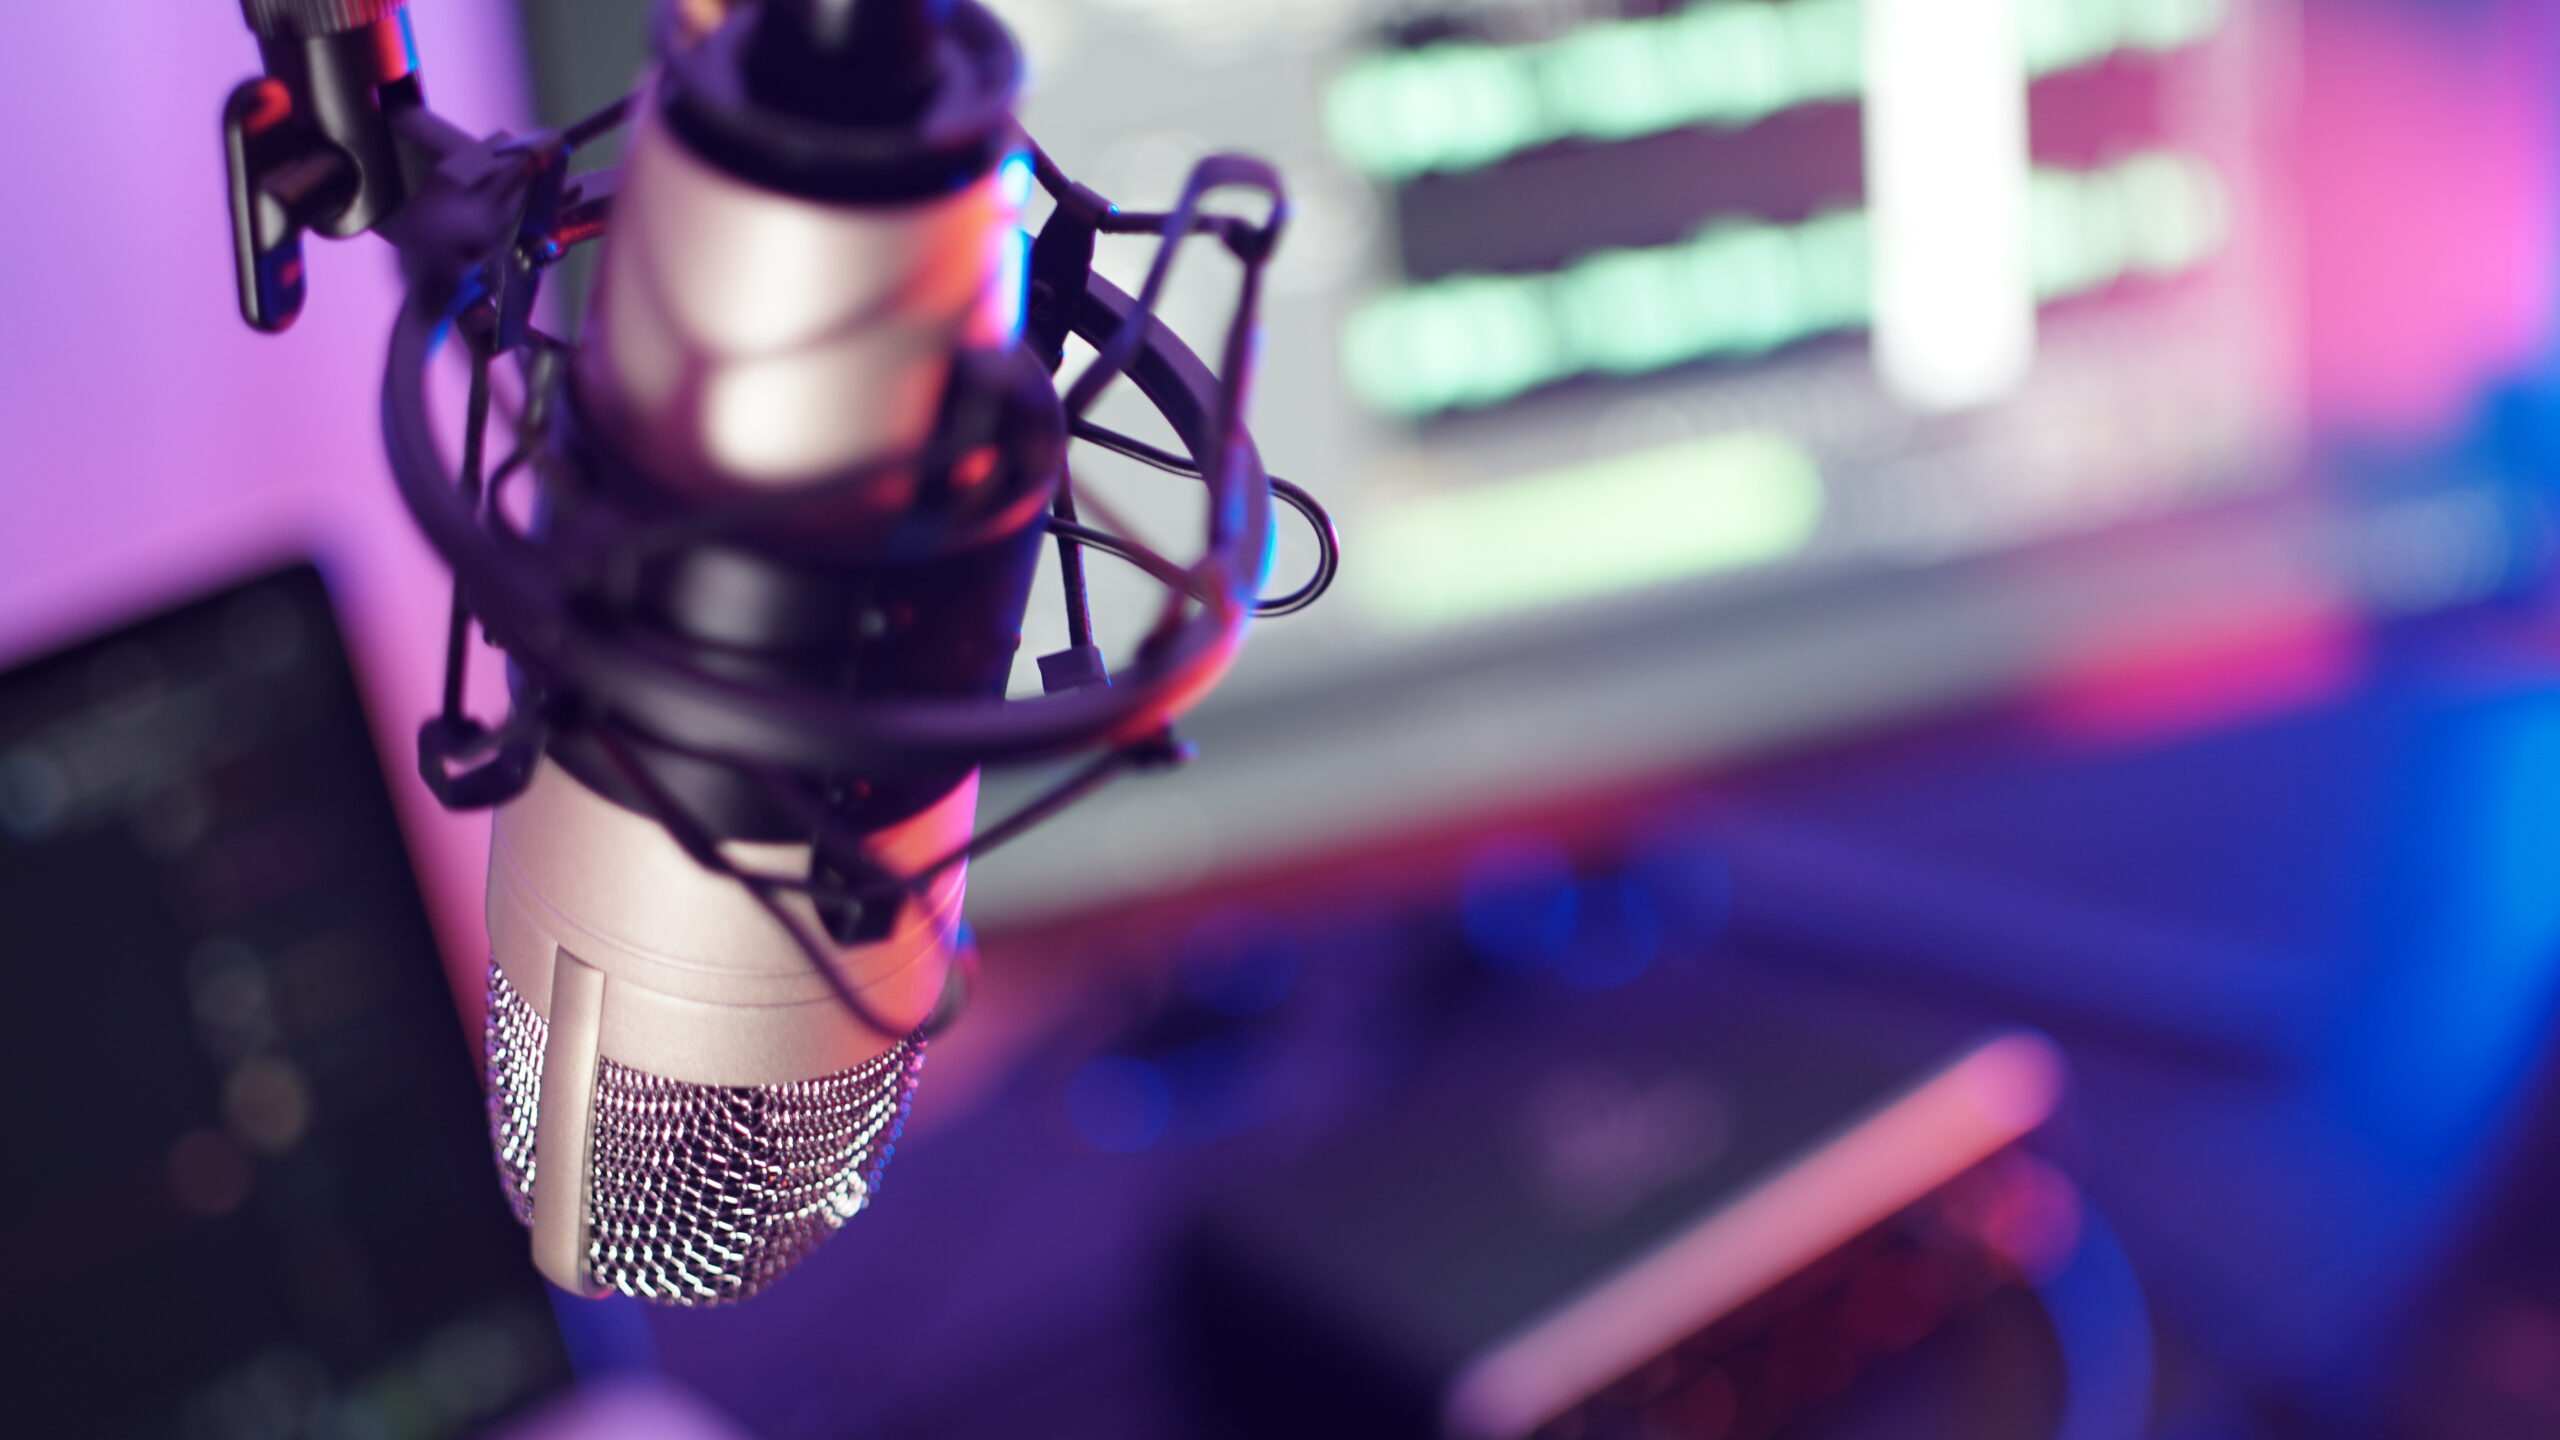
(1589, 301)
(1668, 369)
(1592, 228)
(250, 1192)
(1686, 376)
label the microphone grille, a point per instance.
(515, 1036)
(702, 1194)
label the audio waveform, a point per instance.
(1740, 289)
(1461, 105)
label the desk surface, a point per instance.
(2304, 966)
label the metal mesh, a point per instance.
(515, 1037)
(702, 1194)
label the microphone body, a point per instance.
(739, 337)
(789, 493)
(652, 1028)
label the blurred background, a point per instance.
(1998, 802)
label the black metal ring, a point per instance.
(522, 600)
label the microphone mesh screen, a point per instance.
(702, 1194)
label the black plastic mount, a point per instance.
(635, 706)
(283, 182)
(331, 140)
(546, 614)
(933, 607)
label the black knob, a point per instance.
(860, 62)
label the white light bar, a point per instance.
(1947, 175)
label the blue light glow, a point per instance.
(1016, 179)
(1119, 1104)
(1618, 938)
(1240, 963)
(1521, 907)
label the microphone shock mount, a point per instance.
(761, 665)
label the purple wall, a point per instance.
(155, 447)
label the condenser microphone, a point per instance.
(759, 324)
(788, 492)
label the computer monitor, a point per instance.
(1687, 376)
(249, 1185)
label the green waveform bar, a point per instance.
(1681, 512)
(1462, 105)
(1736, 290)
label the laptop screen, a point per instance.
(249, 1189)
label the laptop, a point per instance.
(250, 1191)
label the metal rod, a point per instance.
(457, 637)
